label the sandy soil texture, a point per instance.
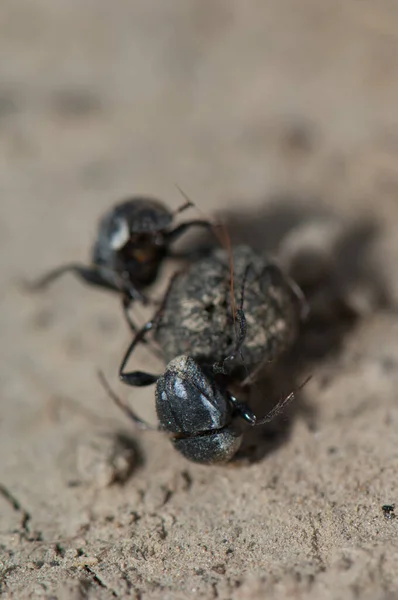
(278, 114)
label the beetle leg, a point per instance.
(124, 406)
(187, 204)
(192, 255)
(126, 303)
(221, 367)
(294, 288)
(175, 233)
(280, 405)
(298, 292)
(137, 378)
(140, 378)
(90, 275)
(241, 329)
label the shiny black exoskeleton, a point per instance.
(193, 403)
(133, 239)
(195, 411)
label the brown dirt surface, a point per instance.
(278, 114)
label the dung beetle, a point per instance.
(195, 408)
(133, 239)
(194, 404)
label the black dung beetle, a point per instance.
(193, 402)
(133, 238)
(195, 409)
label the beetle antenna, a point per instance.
(281, 404)
(190, 203)
(240, 332)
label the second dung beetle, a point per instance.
(133, 239)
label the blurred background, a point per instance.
(274, 113)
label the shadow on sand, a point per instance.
(346, 265)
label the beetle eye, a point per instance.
(120, 234)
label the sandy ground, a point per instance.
(276, 112)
